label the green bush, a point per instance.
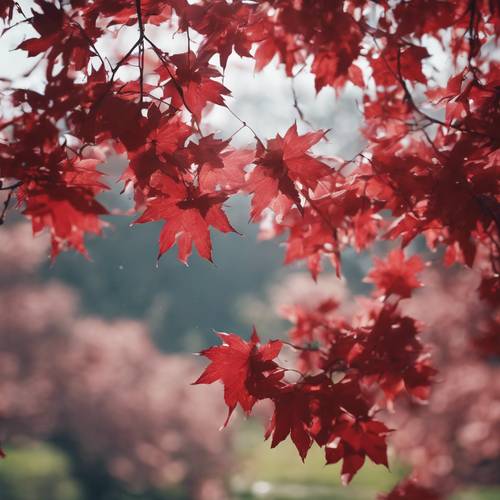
(37, 472)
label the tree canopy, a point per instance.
(140, 79)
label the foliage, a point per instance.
(464, 407)
(430, 168)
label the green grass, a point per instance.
(280, 474)
(37, 472)
(478, 494)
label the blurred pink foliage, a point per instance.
(100, 389)
(455, 439)
(408, 489)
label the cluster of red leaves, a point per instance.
(396, 275)
(314, 409)
(430, 166)
(415, 166)
(348, 371)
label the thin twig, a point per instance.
(245, 125)
(296, 104)
(6, 203)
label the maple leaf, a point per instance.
(290, 417)
(219, 165)
(231, 175)
(312, 235)
(59, 36)
(333, 63)
(411, 18)
(225, 25)
(393, 355)
(63, 199)
(327, 71)
(237, 364)
(188, 214)
(397, 63)
(278, 169)
(395, 275)
(48, 24)
(411, 63)
(190, 82)
(352, 441)
(164, 150)
(273, 41)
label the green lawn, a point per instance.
(37, 472)
(280, 474)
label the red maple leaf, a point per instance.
(188, 214)
(395, 275)
(353, 440)
(411, 63)
(219, 165)
(190, 82)
(393, 355)
(163, 151)
(290, 417)
(231, 176)
(49, 25)
(59, 37)
(280, 166)
(64, 201)
(225, 25)
(240, 365)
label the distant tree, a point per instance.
(463, 413)
(122, 411)
(428, 77)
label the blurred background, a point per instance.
(96, 356)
